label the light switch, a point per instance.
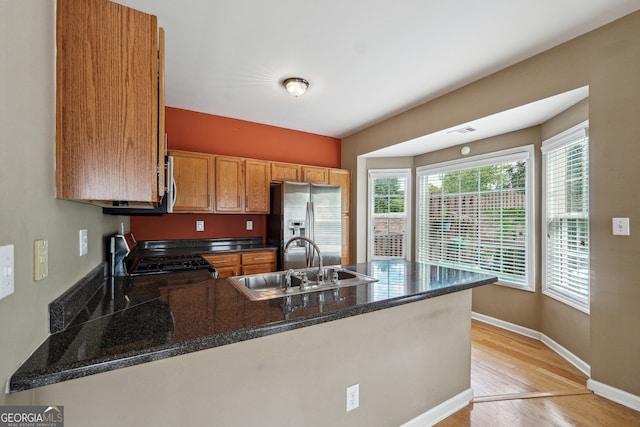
(199, 225)
(7, 272)
(84, 242)
(40, 259)
(621, 227)
(249, 225)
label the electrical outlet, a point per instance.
(199, 225)
(40, 259)
(353, 397)
(249, 225)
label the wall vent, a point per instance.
(462, 131)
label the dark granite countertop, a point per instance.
(136, 320)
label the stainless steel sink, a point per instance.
(258, 287)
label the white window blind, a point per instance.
(389, 191)
(476, 215)
(566, 217)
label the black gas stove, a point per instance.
(127, 261)
(167, 264)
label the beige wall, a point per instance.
(29, 210)
(608, 61)
(406, 360)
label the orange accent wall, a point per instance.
(205, 133)
(194, 131)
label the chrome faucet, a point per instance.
(287, 280)
(316, 248)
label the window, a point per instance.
(389, 191)
(565, 165)
(476, 214)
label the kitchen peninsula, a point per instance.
(406, 335)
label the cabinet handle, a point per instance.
(259, 259)
(246, 202)
(238, 205)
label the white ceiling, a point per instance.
(366, 60)
(497, 124)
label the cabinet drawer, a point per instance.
(258, 268)
(223, 260)
(259, 257)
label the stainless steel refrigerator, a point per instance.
(308, 210)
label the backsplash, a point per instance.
(183, 226)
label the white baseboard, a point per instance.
(508, 326)
(614, 394)
(619, 396)
(441, 411)
(580, 364)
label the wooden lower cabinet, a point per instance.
(258, 262)
(241, 263)
(227, 264)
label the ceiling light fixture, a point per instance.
(296, 86)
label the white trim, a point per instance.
(525, 152)
(441, 411)
(579, 364)
(507, 326)
(611, 393)
(569, 136)
(572, 134)
(407, 174)
(614, 394)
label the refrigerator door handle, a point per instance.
(308, 220)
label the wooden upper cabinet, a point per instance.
(229, 184)
(315, 174)
(241, 185)
(285, 172)
(342, 177)
(193, 173)
(256, 186)
(107, 104)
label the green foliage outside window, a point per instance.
(389, 196)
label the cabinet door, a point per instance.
(194, 187)
(346, 257)
(229, 185)
(224, 272)
(314, 174)
(256, 186)
(342, 177)
(285, 172)
(106, 103)
(162, 136)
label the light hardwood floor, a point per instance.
(519, 381)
